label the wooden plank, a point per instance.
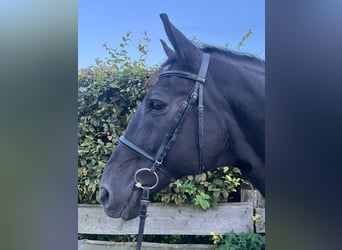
(108, 245)
(254, 197)
(260, 223)
(170, 219)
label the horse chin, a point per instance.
(129, 214)
(128, 211)
(131, 210)
(111, 213)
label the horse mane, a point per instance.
(234, 54)
(246, 57)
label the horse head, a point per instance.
(167, 138)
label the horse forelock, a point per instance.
(152, 80)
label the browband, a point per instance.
(183, 74)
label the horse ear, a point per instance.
(168, 51)
(185, 50)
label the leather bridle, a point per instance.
(171, 136)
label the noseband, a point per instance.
(171, 136)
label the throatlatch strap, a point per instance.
(202, 73)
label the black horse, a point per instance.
(206, 109)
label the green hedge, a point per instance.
(109, 93)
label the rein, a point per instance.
(171, 136)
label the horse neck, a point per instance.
(239, 87)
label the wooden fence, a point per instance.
(170, 219)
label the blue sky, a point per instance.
(214, 22)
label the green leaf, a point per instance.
(204, 204)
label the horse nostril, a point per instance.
(104, 195)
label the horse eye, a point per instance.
(156, 105)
